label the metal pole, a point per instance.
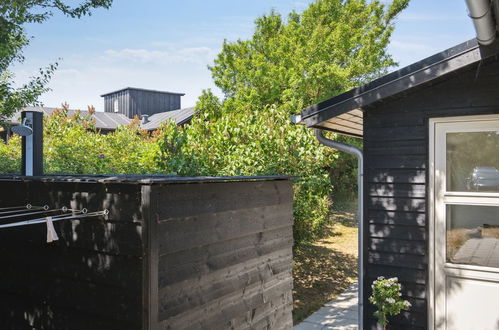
(32, 144)
(360, 210)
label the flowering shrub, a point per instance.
(262, 143)
(386, 297)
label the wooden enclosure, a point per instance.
(173, 253)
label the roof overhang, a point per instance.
(344, 113)
(142, 90)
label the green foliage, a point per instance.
(73, 145)
(288, 64)
(331, 47)
(14, 14)
(10, 155)
(257, 142)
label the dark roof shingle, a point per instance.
(111, 120)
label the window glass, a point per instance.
(473, 161)
(473, 235)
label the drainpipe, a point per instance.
(360, 209)
(480, 11)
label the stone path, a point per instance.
(340, 313)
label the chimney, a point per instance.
(145, 119)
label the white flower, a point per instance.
(407, 304)
(390, 300)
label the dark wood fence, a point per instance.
(174, 253)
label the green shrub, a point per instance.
(10, 155)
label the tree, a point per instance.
(14, 14)
(333, 46)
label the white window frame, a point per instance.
(436, 156)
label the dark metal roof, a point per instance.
(110, 121)
(103, 120)
(344, 113)
(180, 117)
(142, 89)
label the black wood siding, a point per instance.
(91, 278)
(211, 255)
(136, 102)
(396, 192)
(225, 256)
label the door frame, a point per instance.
(431, 203)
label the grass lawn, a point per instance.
(324, 269)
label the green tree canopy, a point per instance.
(333, 46)
(286, 65)
(14, 15)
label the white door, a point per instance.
(464, 225)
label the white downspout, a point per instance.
(360, 210)
(480, 11)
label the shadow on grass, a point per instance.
(327, 267)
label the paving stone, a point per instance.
(307, 326)
(347, 313)
(337, 323)
(328, 315)
(341, 327)
(344, 302)
(339, 314)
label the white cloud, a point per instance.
(80, 80)
(137, 55)
(170, 56)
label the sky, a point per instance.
(167, 45)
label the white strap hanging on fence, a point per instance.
(51, 233)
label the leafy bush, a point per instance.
(72, 144)
(10, 155)
(386, 297)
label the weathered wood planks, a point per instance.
(196, 254)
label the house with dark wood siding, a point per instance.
(152, 107)
(430, 185)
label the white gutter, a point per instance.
(360, 209)
(480, 11)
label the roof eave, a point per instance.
(142, 89)
(396, 82)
